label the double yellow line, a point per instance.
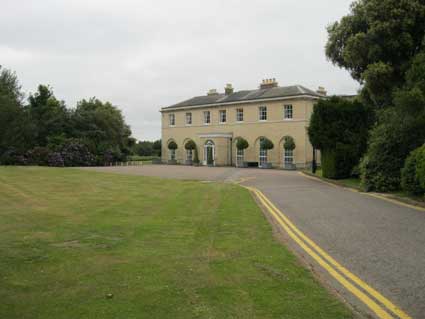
(380, 305)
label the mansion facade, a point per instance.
(214, 123)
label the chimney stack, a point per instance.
(228, 89)
(321, 90)
(268, 83)
(212, 92)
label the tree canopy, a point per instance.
(376, 43)
(44, 131)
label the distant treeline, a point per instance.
(148, 148)
(42, 130)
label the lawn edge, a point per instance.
(384, 196)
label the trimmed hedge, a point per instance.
(242, 144)
(289, 143)
(190, 145)
(337, 163)
(172, 145)
(339, 129)
(266, 144)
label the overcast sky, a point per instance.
(142, 55)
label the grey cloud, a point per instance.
(142, 55)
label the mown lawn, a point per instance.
(162, 248)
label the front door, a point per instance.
(209, 153)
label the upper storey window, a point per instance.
(223, 118)
(207, 117)
(188, 118)
(262, 113)
(239, 115)
(172, 119)
(287, 111)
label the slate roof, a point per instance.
(246, 95)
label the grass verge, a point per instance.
(79, 244)
(355, 183)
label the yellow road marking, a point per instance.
(296, 235)
(391, 200)
(394, 201)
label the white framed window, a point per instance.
(239, 115)
(189, 154)
(263, 157)
(263, 154)
(288, 156)
(172, 119)
(188, 118)
(222, 116)
(172, 155)
(287, 111)
(262, 113)
(207, 117)
(239, 156)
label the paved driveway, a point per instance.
(381, 242)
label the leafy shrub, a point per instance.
(266, 144)
(242, 143)
(172, 145)
(409, 177)
(55, 159)
(77, 154)
(389, 145)
(12, 157)
(289, 143)
(190, 145)
(420, 168)
(38, 156)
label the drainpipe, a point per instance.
(231, 151)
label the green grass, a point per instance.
(163, 248)
(356, 184)
(346, 182)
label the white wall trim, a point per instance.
(212, 135)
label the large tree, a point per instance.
(376, 43)
(102, 126)
(49, 116)
(400, 130)
(14, 124)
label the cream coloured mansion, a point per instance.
(215, 122)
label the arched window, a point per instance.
(263, 153)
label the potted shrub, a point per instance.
(288, 145)
(267, 145)
(190, 145)
(172, 146)
(241, 145)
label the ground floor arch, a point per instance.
(209, 153)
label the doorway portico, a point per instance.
(217, 149)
